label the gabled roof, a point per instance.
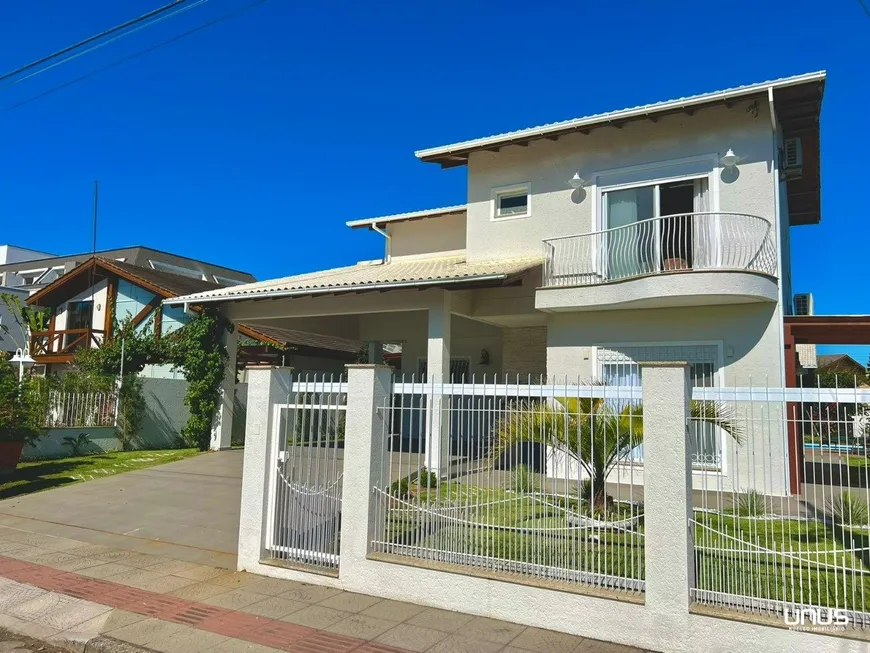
(81, 277)
(458, 153)
(433, 272)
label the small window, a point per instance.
(511, 202)
(176, 269)
(227, 281)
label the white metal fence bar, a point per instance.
(766, 547)
(71, 409)
(524, 491)
(306, 494)
(672, 243)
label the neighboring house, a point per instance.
(34, 272)
(14, 254)
(12, 335)
(840, 364)
(86, 301)
(654, 233)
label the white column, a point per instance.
(667, 488)
(438, 372)
(222, 424)
(365, 459)
(267, 386)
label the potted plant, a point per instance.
(19, 416)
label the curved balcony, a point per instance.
(674, 260)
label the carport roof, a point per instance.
(419, 273)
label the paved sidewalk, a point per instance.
(69, 593)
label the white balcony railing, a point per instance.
(663, 245)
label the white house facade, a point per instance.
(657, 233)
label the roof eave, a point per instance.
(457, 153)
(278, 294)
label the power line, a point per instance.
(103, 44)
(95, 37)
(136, 55)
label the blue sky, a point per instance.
(251, 143)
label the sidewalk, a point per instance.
(71, 593)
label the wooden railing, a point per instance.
(64, 341)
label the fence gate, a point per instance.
(304, 526)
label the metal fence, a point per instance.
(73, 409)
(693, 241)
(513, 478)
(307, 458)
(763, 550)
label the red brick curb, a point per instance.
(239, 625)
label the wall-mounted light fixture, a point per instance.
(484, 357)
(730, 159)
(577, 181)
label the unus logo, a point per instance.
(816, 617)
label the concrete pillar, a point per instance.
(222, 424)
(267, 386)
(667, 488)
(438, 372)
(365, 460)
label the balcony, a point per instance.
(693, 259)
(60, 346)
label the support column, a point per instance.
(670, 565)
(267, 386)
(376, 352)
(794, 442)
(365, 459)
(222, 424)
(438, 373)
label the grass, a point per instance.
(815, 562)
(41, 475)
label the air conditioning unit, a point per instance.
(791, 158)
(803, 304)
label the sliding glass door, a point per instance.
(635, 244)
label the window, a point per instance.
(511, 202)
(177, 269)
(227, 281)
(618, 366)
(30, 277)
(79, 314)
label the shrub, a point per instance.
(524, 479)
(751, 504)
(427, 479)
(400, 489)
(20, 408)
(849, 510)
(78, 444)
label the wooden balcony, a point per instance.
(60, 346)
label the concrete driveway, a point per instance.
(186, 510)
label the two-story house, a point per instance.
(659, 232)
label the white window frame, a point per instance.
(514, 189)
(598, 183)
(722, 469)
(190, 273)
(40, 272)
(227, 281)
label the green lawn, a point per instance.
(811, 561)
(46, 474)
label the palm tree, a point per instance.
(595, 433)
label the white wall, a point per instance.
(557, 210)
(98, 294)
(430, 237)
(748, 333)
(13, 254)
